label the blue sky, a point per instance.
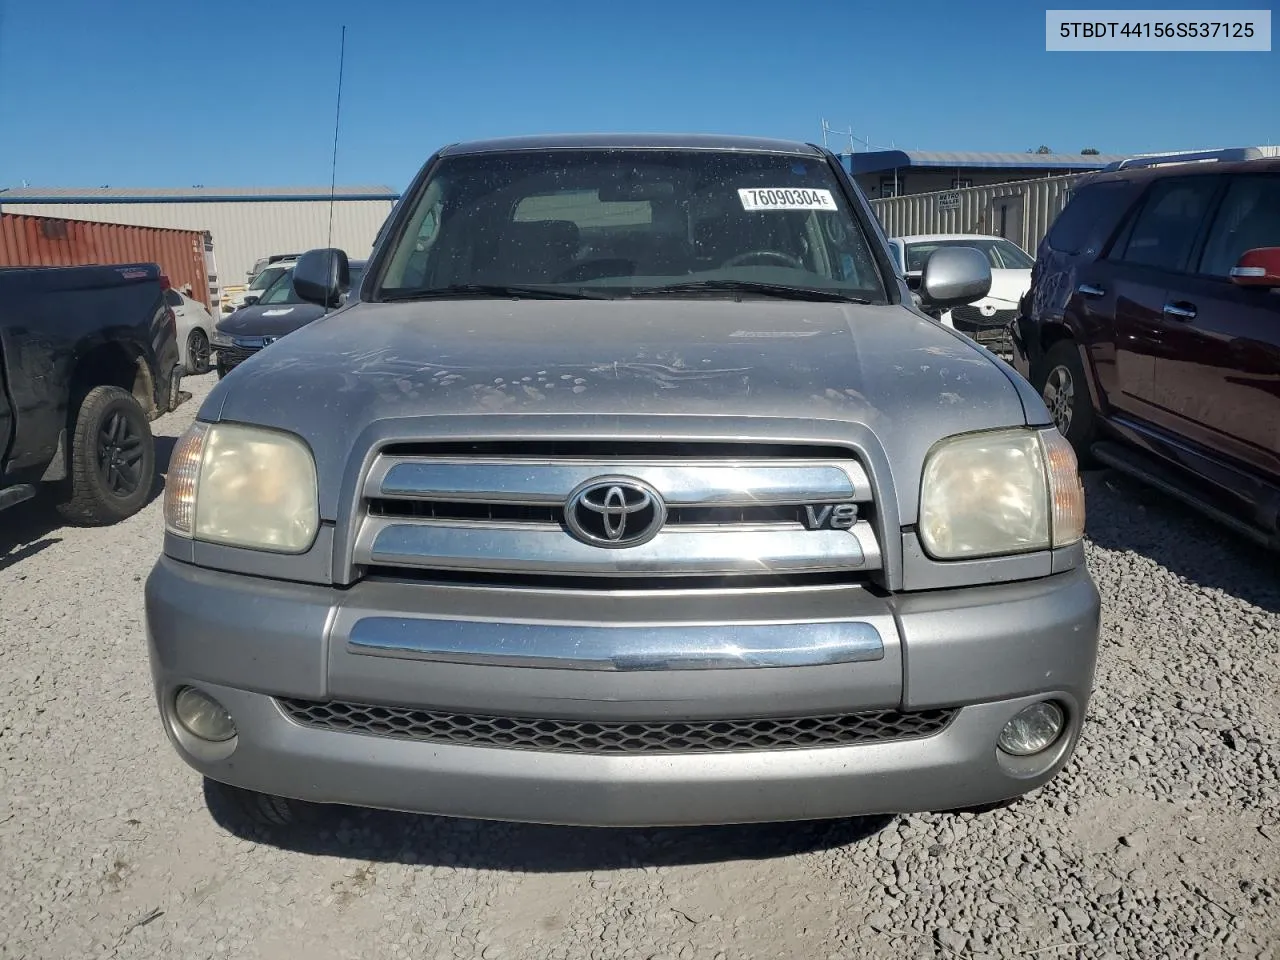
(176, 93)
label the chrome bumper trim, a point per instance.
(567, 646)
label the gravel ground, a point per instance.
(1161, 839)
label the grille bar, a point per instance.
(676, 551)
(717, 483)
(554, 513)
(617, 737)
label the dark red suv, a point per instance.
(1152, 330)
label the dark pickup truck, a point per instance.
(88, 357)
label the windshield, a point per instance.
(620, 223)
(266, 278)
(1001, 254)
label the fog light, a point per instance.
(1032, 729)
(203, 716)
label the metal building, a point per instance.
(1021, 211)
(896, 173)
(245, 222)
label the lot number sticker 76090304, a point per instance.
(786, 198)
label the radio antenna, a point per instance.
(333, 170)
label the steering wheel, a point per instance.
(777, 256)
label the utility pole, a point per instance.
(827, 129)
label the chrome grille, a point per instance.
(478, 509)
(617, 737)
(998, 339)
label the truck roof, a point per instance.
(618, 141)
(1185, 169)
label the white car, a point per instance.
(264, 278)
(1010, 275)
(195, 326)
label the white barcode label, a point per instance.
(786, 198)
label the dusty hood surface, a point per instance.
(702, 366)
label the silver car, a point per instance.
(631, 490)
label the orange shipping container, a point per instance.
(53, 242)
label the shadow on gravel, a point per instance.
(386, 837)
(1123, 514)
(26, 529)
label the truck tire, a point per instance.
(261, 809)
(1061, 382)
(113, 459)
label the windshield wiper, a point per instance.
(460, 291)
(779, 290)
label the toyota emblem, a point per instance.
(615, 512)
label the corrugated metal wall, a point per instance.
(1021, 211)
(55, 242)
(242, 231)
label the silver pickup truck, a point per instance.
(628, 488)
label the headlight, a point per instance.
(242, 486)
(1007, 491)
(219, 339)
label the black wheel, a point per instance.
(260, 809)
(198, 353)
(222, 370)
(113, 459)
(1061, 382)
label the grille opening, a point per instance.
(453, 510)
(578, 582)
(619, 449)
(550, 513)
(616, 736)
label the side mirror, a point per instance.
(1259, 267)
(954, 276)
(250, 300)
(320, 276)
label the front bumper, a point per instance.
(1021, 332)
(987, 651)
(231, 356)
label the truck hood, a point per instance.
(905, 378)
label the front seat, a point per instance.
(536, 251)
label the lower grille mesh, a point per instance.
(624, 736)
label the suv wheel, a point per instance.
(261, 809)
(113, 459)
(198, 353)
(1062, 384)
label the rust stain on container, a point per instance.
(27, 241)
